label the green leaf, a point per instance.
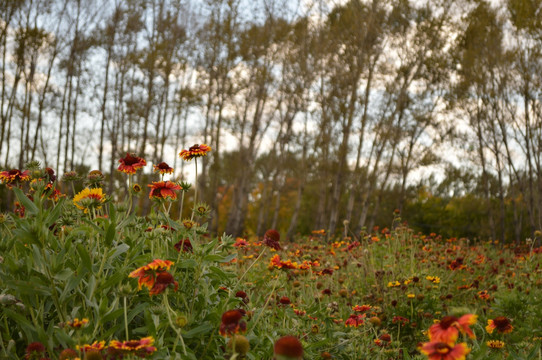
(112, 280)
(54, 214)
(25, 201)
(198, 330)
(136, 311)
(118, 250)
(21, 321)
(186, 264)
(113, 315)
(110, 233)
(219, 258)
(29, 287)
(85, 257)
(64, 274)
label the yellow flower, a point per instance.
(89, 199)
(411, 296)
(394, 284)
(495, 344)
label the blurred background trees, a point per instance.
(317, 111)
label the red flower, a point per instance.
(35, 350)
(241, 294)
(131, 163)
(163, 280)
(271, 239)
(447, 330)
(194, 152)
(383, 340)
(442, 351)
(501, 324)
(456, 264)
(67, 354)
(163, 189)
(163, 168)
(232, 324)
(285, 300)
(185, 245)
(289, 346)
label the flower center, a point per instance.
(447, 321)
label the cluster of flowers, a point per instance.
(443, 336)
(90, 198)
(116, 349)
(276, 262)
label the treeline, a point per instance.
(316, 112)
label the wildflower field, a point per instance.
(83, 277)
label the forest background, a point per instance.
(317, 112)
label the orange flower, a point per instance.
(131, 163)
(279, 264)
(240, 243)
(95, 346)
(163, 189)
(484, 295)
(195, 152)
(447, 330)
(442, 351)
(355, 320)
(140, 348)
(501, 323)
(163, 168)
(232, 324)
(147, 275)
(76, 323)
(361, 308)
(14, 175)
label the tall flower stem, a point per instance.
(246, 271)
(179, 335)
(181, 207)
(129, 195)
(265, 305)
(126, 319)
(195, 189)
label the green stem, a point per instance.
(195, 189)
(265, 305)
(181, 208)
(53, 288)
(126, 319)
(246, 271)
(179, 335)
(130, 201)
(3, 347)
